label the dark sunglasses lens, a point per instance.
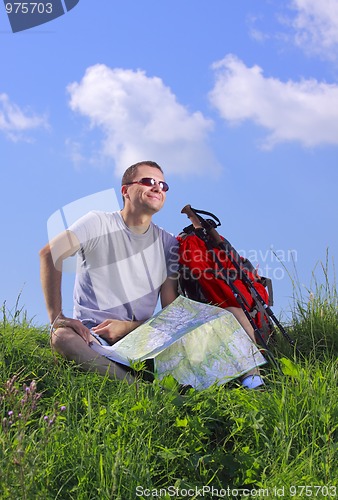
(148, 181)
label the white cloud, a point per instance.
(311, 24)
(316, 25)
(15, 122)
(141, 120)
(305, 111)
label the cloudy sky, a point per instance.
(237, 100)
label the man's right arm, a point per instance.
(51, 259)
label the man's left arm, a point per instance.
(169, 291)
(169, 288)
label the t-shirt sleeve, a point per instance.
(87, 229)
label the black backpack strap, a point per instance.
(203, 212)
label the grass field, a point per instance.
(66, 434)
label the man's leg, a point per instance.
(72, 347)
(245, 323)
(243, 320)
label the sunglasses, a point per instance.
(149, 181)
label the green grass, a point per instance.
(66, 434)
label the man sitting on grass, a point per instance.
(125, 263)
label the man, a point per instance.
(125, 262)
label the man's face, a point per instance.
(146, 198)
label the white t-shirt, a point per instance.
(120, 273)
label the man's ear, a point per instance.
(124, 191)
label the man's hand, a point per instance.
(113, 330)
(74, 324)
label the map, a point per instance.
(198, 344)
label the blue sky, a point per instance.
(237, 100)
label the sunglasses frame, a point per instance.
(150, 182)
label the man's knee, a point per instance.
(61, 337)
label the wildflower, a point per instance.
(52, 420)
(32, 386)
(10, 413)
(62, 408)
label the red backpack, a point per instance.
(202, 279)
(213, 272)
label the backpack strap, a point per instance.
(267, 283)
(204, 212)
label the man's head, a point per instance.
(131, 172)
(144, 187)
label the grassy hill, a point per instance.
(66, 434)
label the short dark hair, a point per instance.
(129, 174)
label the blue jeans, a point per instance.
(90, 324)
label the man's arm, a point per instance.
(169, 291)
(52, 256)
(51, 259)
